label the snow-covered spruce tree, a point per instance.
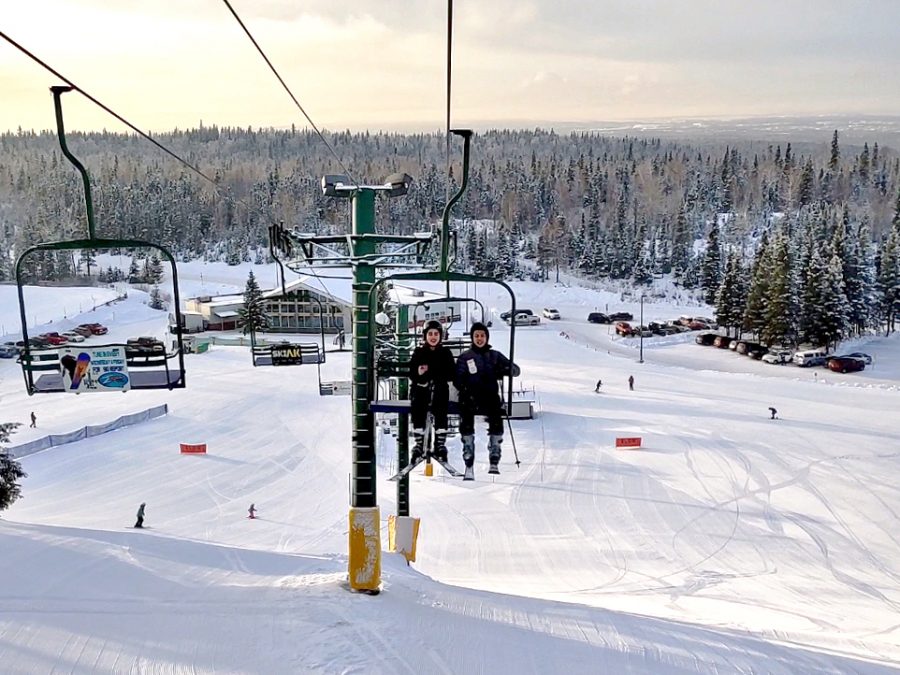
(711, 269)
(156, 299)
(731, 298)
(10, 470)
(889, 281)
(154, 270)
(780, 313)
(824, 301)
(253, 315)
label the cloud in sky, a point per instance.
(176, 62)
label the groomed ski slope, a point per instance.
(729, 543)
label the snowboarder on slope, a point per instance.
(252, 511)
(431, 371)
(140, 516)
(33, 424)
(774, 413)
(597, 388)
(631, 382)
(477, 372)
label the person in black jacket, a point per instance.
(431, 371)
(140, 516)
(477, 371)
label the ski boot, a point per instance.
(494, 453)
(418, 451)
(468, 442)
(440, 445)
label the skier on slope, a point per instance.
(431, 371)
(477, 372)
(140, 516)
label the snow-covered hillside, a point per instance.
(729, 543)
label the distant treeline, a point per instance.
(624, 208)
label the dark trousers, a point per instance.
(422, 403)
(140, 522)
(494, 416)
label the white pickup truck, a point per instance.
(523, 319)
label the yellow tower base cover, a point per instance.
(403, 531)
(365, 549)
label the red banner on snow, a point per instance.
(628, 442)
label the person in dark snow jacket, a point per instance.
(140, 516)
(431, 371)
(477, 373)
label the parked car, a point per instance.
(84, 330)
(745, 346)
(801, 358)
(845, 364)
(779, 356)
(758, 352)
(550, 313)
(620, 316)
(624, 329)
(598, 317)
(523, 319)
(8, 351)
(96, 328)
(811, 361)
(54, 339)
(505, 316)
(705, 339)
(72, 336)
(698, 325)
(864, 357)
(722, 342)
(145, 344)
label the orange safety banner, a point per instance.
(631, 442)
(193, 448)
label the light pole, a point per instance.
(641, 329)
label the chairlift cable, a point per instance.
(288, 90)
(216, 188)
(106, 108)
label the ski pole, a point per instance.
(513, 439)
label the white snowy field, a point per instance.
(729, 543)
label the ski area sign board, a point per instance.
(94, 369)
(628, 442)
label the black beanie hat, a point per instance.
(480, 326)
(433, 325)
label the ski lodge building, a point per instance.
(293, 309)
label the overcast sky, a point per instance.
(174, 63)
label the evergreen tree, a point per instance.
(780, 313)
(253, 315)
(154, 270)
(731, 298)
(889, 280)
(156, 299)
(824, 301)
(711, 271)
(10, 470)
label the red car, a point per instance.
(845, 364)
(97, 328)
(54, 338)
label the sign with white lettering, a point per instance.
(94, 369)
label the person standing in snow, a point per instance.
(773, 412)
(431, 371)
(252, 511)
(477, 371)
(631, 382)
(140, 516)
(33, 424)
(597, 388)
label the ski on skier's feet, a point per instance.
(453, 471)
(405, 470)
